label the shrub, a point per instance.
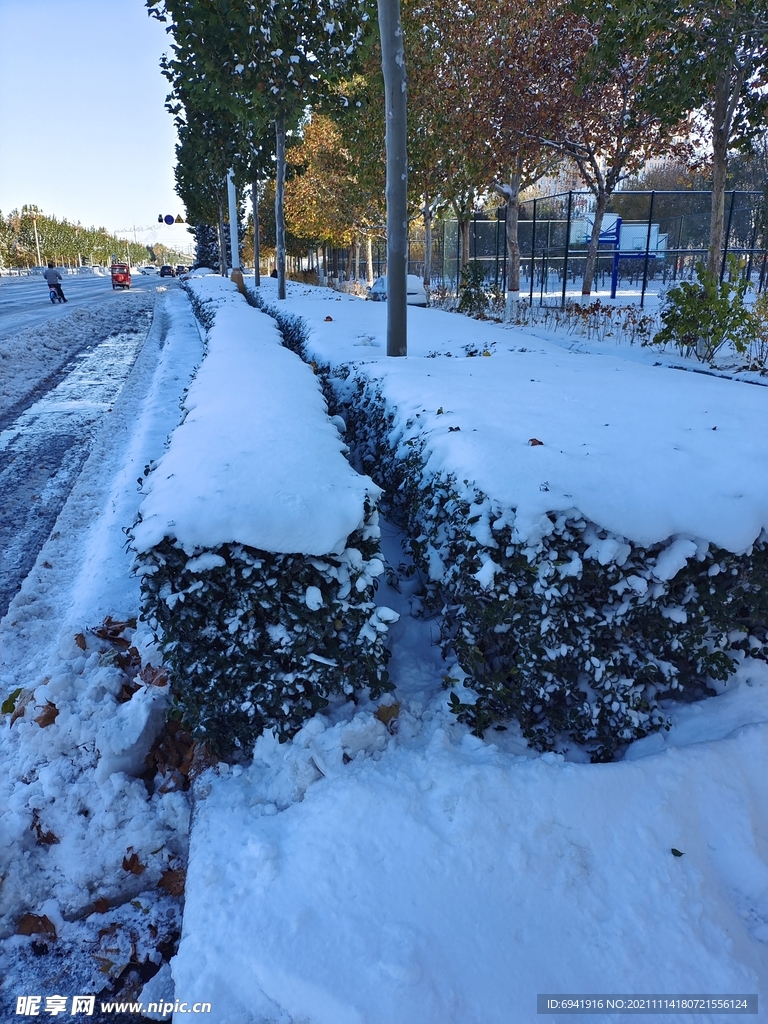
(256, 641)
(579, 636)
(576, 637)
(473, 299)
(700, 317)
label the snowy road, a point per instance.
(52, 414)
(24, 301)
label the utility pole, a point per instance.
(393, 67)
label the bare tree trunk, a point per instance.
(427, 211)
(350, 260)
(393, 67)
(720, 133)
(594, 242)
(222, 244)
(280, 204)
(357, 258)
(256, 240)
(464, 223)
(368, 259)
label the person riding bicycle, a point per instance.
(54, 279)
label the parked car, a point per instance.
(149, 269)
(166, 271)
(181, 270)
(415, 295)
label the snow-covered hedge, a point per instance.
(574, 631)
(579, 635)
(257, 542)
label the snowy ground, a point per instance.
(386, 866)
(73, 809)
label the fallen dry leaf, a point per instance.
(173, 881)
(43, 838)
(22, 701)
(48, 715)
(35, 924)
(328, 319)
(386, 713)
(127, 690)
(133, 864)
(154, 676)
(101, 906)
(533, 441)
(80, 641)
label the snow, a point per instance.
(646, 452)
(257, 459)
(78, 774)
(417, 873)
(422, 875)
(386, 865)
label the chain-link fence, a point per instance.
(648, 240)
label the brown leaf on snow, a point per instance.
(127, 690)
(112, 629)
(533, 441)
(101, 906)
(80, 641)
(387, 713)
(133, 864)
(34, 924)
(154, 676)
(43, 838)
(328, 319)
(48, 715)
(173, 881)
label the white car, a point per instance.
(415, 295)
(149, 270)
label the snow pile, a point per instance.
(561, 622)
(257, 634)
(92, 836)
(429, 877)
(257, 461)
(694, 440)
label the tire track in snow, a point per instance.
(43, 451)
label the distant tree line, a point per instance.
(30, 238)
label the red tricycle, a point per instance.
(121, 275)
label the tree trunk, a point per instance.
(510, 192)
(464, 223)
(513, 245)
(350, 259)
(357, 259)
(222, 243)
(368, 260)
(720, 133)
(256, 240)
(393, 67)
(594, 242)
(280, 204)
(319, 265)
(427, 211)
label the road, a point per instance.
(24, 301)
(44, 448)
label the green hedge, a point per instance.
(575, 650)
(247, 642)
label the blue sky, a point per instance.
(84, 133)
